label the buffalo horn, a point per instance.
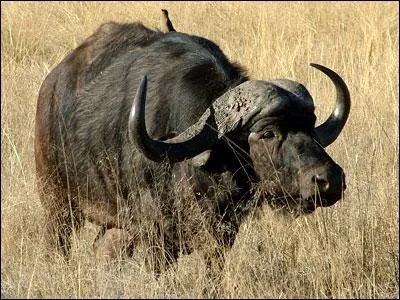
(193, 141)
(328, 131)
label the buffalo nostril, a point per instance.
(321, 182)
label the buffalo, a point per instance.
(132, 112)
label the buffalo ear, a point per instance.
(201, 159)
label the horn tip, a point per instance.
(316, 65)
(143, 81)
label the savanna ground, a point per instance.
(349, 250)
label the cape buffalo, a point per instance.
(133, 111)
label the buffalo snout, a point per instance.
(325, 184)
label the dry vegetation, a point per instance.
(349, 250)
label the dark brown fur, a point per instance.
(85, 163)
(88, 167)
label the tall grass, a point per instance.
(349, 250)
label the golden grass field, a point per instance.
(349, 250)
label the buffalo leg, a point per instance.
(100, 234)
(162, 251)
(215, 259)
(63, 217)
(59, 228)
(112, 242)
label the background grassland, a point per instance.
(348, 250)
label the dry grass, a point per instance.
(347, 251)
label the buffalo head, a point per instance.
(273, 122)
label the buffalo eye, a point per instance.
(269, 134)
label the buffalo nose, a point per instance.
(329, 180)
(321, 181)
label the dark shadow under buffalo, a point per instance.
(131, 113)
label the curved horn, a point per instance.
(196, 139)
(331, 128)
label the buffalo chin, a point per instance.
(310, 204)
(297, 206)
